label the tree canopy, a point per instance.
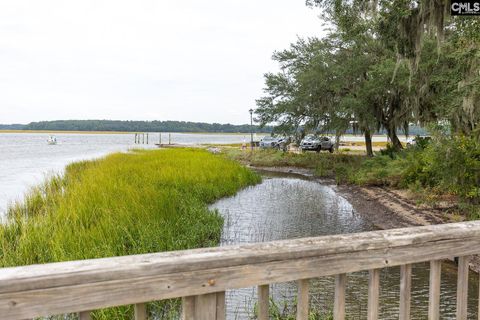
(384, 65)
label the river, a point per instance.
(285, 207)
(26, 158)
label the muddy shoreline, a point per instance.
(385, 208)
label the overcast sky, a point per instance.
(142, 60)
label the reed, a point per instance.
(125, 203)
(337, 165)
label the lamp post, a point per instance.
(251, 128)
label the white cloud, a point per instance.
(116, 59)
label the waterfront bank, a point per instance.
(123, 204)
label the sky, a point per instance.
(142, 60)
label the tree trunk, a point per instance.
(368, 143)
(337, 141)
(392, 134)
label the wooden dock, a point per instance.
(201, 276)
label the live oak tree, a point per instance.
(300, 95)
(407, 27)
(385, 65)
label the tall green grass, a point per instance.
(337, 165)
(125, 203)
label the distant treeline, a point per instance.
(133, 126)
(413, 130)
(12, 126)
(158, 126)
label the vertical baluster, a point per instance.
(405, 291)
(188, 308)
(263, 302)
(210, 306)
(221, 314)
(434, 295)
(84, 315)
(206, 306)
(339, 304)
(373, 294)
(302, 299)
(140, 311)
(462, 287)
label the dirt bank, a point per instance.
(386, 208)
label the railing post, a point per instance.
(85, 315)
(210, 306)
(339, 303)
(462, 287)
(263, 302)
(434, 291)
(405, 291)
(302, 299)
(206, 306)
(188, 308)
(221, 312)
(373, 294)
(140, 311)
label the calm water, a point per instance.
(289, 207)
(25, 159)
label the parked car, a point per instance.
(418, 141)
(410, 142)
(269, 142)
(315, 143)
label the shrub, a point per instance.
(453, 165)
(446, 164)
(389, 151)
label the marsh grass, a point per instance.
(337, 165)
(125, 203)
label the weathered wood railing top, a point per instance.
(77, 286)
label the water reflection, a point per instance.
(289, 207)
(285, 208)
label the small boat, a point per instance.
(52, 140)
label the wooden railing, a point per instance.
(201, 276)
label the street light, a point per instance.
(251, 128)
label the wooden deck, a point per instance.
(201, 276)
